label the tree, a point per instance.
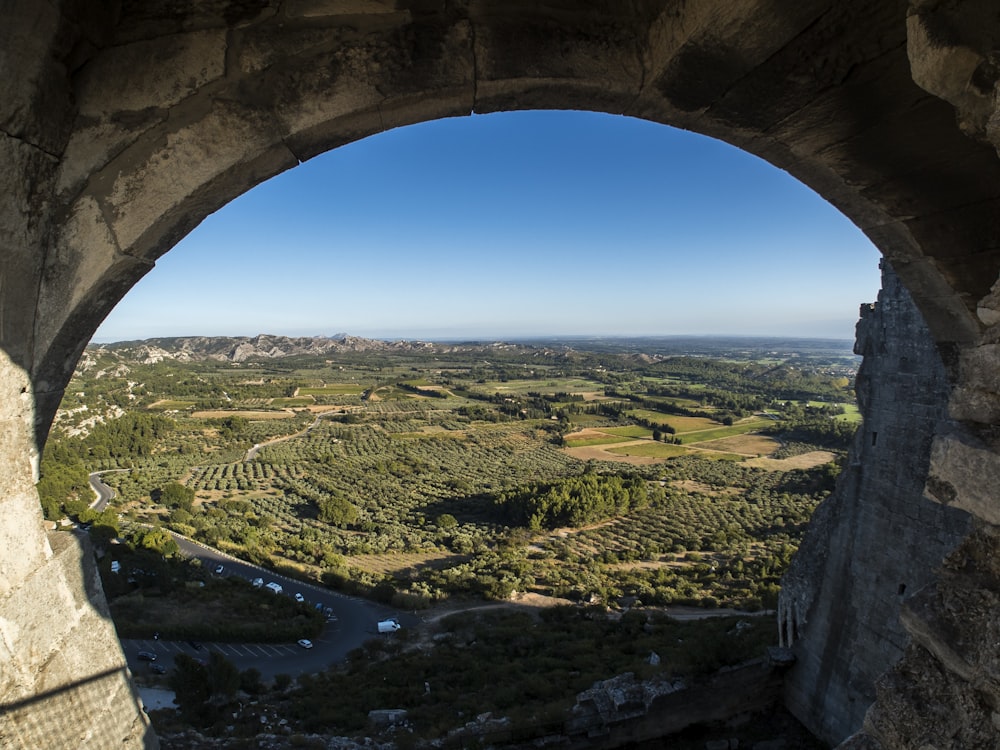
(223, 676)
(156, 540)
(190, 682)
(250, 681)
(174, 495)
(337, 510)
(446, 521)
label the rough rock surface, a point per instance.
(876, 540)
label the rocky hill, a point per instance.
(262, 346)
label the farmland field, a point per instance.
(409, 494)
(748, 445)
(222, 414)
(632, 431)
(332, 389)
(705, 435)
(166, 403)
(452, 477)
(543, 385)
(851, 414)
(649, 449)
(585, 438)
(679, 423)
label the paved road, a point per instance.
(351, 624)
(101, 490)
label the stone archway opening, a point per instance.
(522, 221)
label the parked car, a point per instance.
(147, 656)
(218, 570)
(258, 582)
(157, 669)
(299, 598)
(305, 643)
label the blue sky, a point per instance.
(510, 225)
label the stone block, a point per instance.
(17, 447)
(962, 474)
(85, 260)
(23, 542)
(21, 238)
(150, 74)
(35, 99)
(66, 683)
(163, 192)
(92, 146)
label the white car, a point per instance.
(299, 598)
(305, 643)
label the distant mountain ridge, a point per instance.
(239, 349)
(261, 346)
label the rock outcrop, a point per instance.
(877, 540)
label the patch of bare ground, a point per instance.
(564, 531)
(692, 485)
(161, 402)
(803, 461)
(586, 433)
(528, 601)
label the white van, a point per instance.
(275, 587)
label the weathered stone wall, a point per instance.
(876, 540)
(63, 680)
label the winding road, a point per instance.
(352, 622)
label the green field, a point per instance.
(585, 442)
(544, 386)
(333, 389)
(679, 423)
(650, 449)
(291, 402)
(851, 414)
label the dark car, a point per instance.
(147, 656)
(195, 645)
(157, 669)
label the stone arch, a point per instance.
(170, 126)
(128, 122)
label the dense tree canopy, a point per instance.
(575, 501)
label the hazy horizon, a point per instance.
(514, 339)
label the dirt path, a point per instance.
(537, 602)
